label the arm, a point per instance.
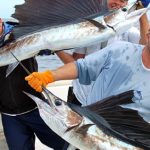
(38, 79)
(144, 26)
(77, 56)
(86, 70)
(66, 72)
(67, 58)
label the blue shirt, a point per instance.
(145, 3)
(7, 29)
(113, 70)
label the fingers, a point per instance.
(32, 76)
(38, 79)
(35, 83)
(28, 78)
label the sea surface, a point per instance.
(46, 62)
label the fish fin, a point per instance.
(83, 129)
(96, 23)
(57, 12)
(11, 68)
(123, 98)
(83, 111)
(127, 122)
(103, 124)
(72, 127)
(19, 31)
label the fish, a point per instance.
(63, 24)
(95, 127)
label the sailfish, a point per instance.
(63, 24)
(104, 125)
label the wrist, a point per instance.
(49, 76)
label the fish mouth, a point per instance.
(52, 100)
(47, 97)
(50, 107)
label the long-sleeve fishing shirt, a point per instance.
(113, 70)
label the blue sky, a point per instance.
(7, 7)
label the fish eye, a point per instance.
(58, 102)
(124, 9)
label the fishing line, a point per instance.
(28, 72)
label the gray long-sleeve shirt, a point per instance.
(113, 70)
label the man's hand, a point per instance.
(38, 79)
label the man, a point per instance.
(132, 35)
(135, 37)
(117, 68)
(20, 116)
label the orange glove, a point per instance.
(38, 79)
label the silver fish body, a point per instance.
(76, 129)
(69, 36)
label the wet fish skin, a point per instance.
(69, 36)
(76, 129)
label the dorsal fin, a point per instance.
(133, 136)
(34, 15)
(19, 30)
(56, 12)
(125, 121)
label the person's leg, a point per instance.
(18, 135)
(44, 133)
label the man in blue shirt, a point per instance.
(117, 68)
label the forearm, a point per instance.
(144, 26)
(67, 72)
(65, 57)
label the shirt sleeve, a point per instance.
(7, 28)
(91, 66)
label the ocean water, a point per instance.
(46, 62)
